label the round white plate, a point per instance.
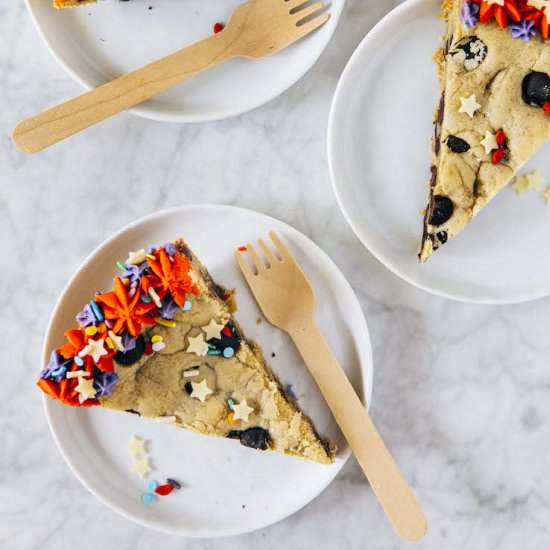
(96, 43)
(379, 154)
(228, 489)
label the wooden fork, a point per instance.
(287, 300)
(256, 29)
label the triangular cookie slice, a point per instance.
(163, 344)
(494, 111)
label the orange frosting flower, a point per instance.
(173, 275)
(130, 313)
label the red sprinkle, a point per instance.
(226, 331)
(148, 348)
(501, 137)
(497, 156)
(218, 27)
(164, 490)
(226, 297)
(242, 249)
(547, 107)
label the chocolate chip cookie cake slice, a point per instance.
(494, 111)
(163, 344)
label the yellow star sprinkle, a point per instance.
(141, 466)
(137, 446)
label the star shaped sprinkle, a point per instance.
(242, 411)
(212, 330)
(520, 185)
(490, 142)
(137, 446)
(197, 345)
(116, 340)
(200, 391)
(534, 181)
(95, 349)
(469, 105)
(85, 389)
(137, 257)
(141, 466)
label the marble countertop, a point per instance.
(461, 391)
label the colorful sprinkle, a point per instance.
(78, 361)
(148, 498)
(155, 297)
(121, 266)
(166, 419)
(187, 306)
(165, 322)
(164, 490)
(214, 352)
(498, 155)
(157, 338)
(230, 403)
(218, 27)
(190, 373)
(231, 418)
(228, 352)
(242, 249)
(77, 373)
(148, 349)
(91, 330)
(152, 485)
(158, 346)
(97, 311)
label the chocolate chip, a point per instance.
(255, 438)
(442, 237)
(132, 356)
(188, 388)
(457, 145)
(535, 89)
(441, 210)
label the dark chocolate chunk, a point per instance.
(535, 88)
(188, 388)
(255, 438)
(131, 411)
(442, 237)
(127, 358)
(441, 210)
(457, 145)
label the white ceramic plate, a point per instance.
(228, 489)
(96, 43)
(379, 153)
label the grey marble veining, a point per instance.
(461, 391)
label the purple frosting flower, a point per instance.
(134, 272)
(525, 30)
(170, 249)
(105, 383)
(128, 342)
(151, 249)
(86, 316)
(469, 14)
(169, 307)
(56, 368)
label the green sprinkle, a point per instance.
(214, 352)
(122, 266)
(230, 402)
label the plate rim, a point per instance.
(364, 235)
(365, 358)
(149, 113)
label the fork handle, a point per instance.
(64, 120)
(391, 489)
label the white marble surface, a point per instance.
(461, 392)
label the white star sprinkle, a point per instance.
(116, 340)
(490, 142)
(141, 466)
(136, 257)
(85, 389)
(95, 349)
(469, 105)
(137, 446)
(212, 330)
(242, 411)
(197, 345)
(200, 391)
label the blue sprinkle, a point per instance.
(228, 352)
(214, 352)
(78, 360)
(147, 498)
(97, 311)
(187, 305)
(231, 403)
(59, 372)
(152, 485)
(145, 298)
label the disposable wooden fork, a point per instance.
(287, 300)
(255, 30)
